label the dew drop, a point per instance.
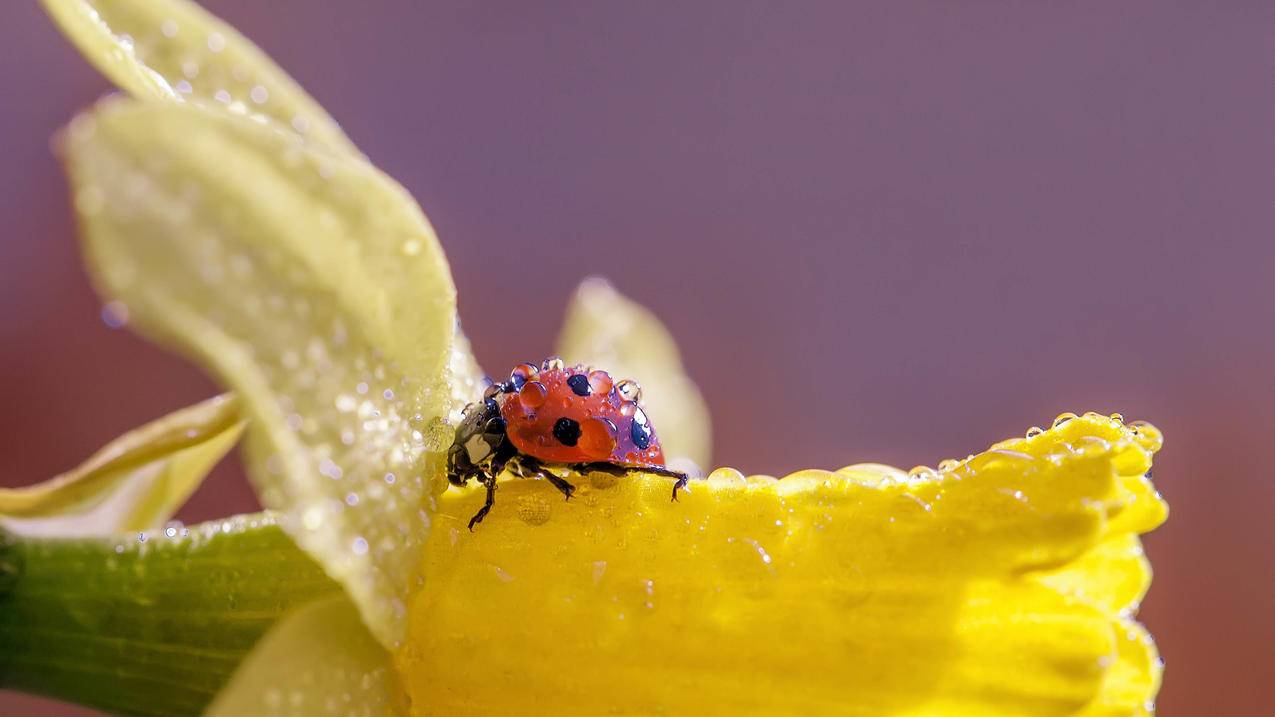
(168, 28)
(1034, 431)
(629, 390)
(216, 42)
(115, 314)
(359, 545)
(533, 510)
(1063, 418)
(259, 94)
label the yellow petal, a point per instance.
(319, 659)
(313, 286)
(607, 330)
(175, 50)
(1132, 678)
(134, 483)
(861, 592)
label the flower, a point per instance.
(239, 226)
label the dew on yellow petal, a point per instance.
(604, 329)
(136, 482)
(293, 289)
(865, 591)
(175, 50)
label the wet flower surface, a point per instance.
(230, 219)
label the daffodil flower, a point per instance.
(238, 225)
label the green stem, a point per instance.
(148, 624)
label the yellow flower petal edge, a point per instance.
(865, 591)
(605, 329)
(176, 51)
(313, 286)
(319, 659)
(135, 482)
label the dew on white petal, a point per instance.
(115, 314)
(359, 546)
(168, 28)
(216, 42)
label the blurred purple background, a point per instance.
(894, 232)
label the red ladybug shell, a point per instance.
(576, 415)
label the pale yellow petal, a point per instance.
(136, 482)
(862, 592)
(175, 50)
(313, 286)
(604, 329)
(318, 660)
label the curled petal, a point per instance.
(607, 330)
(319, 659)
(310, 284)
(135, 482)
(863, 591)
(175, 50)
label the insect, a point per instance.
(547, 419)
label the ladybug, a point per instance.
(551, 418)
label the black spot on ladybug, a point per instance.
(640, 430)
(566, 431)
(579, 384)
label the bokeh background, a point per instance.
(893, 232)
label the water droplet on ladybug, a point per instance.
(627, 408)
(597, 438)
(521, 374)
(629, 390)
(533, 395)
(600, 382)
(640, 430)
(553, 363)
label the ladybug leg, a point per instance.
(528, 467)
(490, 482)
(487, 476)
(619, 469)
